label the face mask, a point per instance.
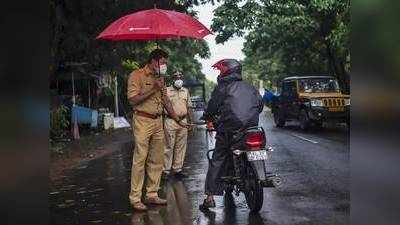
(163, 69)
(178, 83)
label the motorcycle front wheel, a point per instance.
(253, 192)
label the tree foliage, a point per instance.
(289, 37)
(75, 24)
(59, 122)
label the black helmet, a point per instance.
(228, 66)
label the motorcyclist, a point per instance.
(236, 105)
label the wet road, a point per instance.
(314, 166)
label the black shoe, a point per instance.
(206, 205)
(210, 215)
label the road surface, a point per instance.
(314, 166)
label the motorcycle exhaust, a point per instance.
(272, 181)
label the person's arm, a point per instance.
(134, 90)
(167, 102)
(214, 104)
(140, 97)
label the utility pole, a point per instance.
(261, 89)
(116, 97)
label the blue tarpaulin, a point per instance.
(84, 115)
(268, 96)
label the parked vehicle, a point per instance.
(311, 100)
(197, 103)
(198, 107)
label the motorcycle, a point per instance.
(249, 175)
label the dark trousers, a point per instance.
(221, 164)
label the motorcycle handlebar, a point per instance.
(203, 123)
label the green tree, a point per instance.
(289, 37)
(74, 25)
(210, 85)
(59, 122)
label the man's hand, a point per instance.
(183, 124)
(210, 125)
(190, 127)
(140, 97)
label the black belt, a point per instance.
(145, 114)
(180, 117)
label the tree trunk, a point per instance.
(336, 67)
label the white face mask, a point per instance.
(163, 69)
(178, 83)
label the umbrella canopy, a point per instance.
(154, 24)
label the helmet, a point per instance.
(228, 66)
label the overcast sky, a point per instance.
(230, 49)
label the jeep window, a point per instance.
(318, 85)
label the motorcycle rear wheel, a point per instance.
(253, 192)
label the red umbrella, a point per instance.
(154, 24)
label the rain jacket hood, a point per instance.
(232, 91)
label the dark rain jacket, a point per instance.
(235, 103)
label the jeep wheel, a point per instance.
(318, 125)
(278, 119)
(304, 120)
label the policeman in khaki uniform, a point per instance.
(147, 94)
(175, 148)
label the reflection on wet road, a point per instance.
(316, 188)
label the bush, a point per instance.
(59, 122)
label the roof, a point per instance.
(306, 77)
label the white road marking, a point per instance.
(304, 139)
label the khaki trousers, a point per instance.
(148, 157)
(175, 150)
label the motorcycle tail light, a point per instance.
(255, 141)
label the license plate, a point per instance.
(336, 109)
(257, 155)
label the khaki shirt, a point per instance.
(180, 100)
(142, 81)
